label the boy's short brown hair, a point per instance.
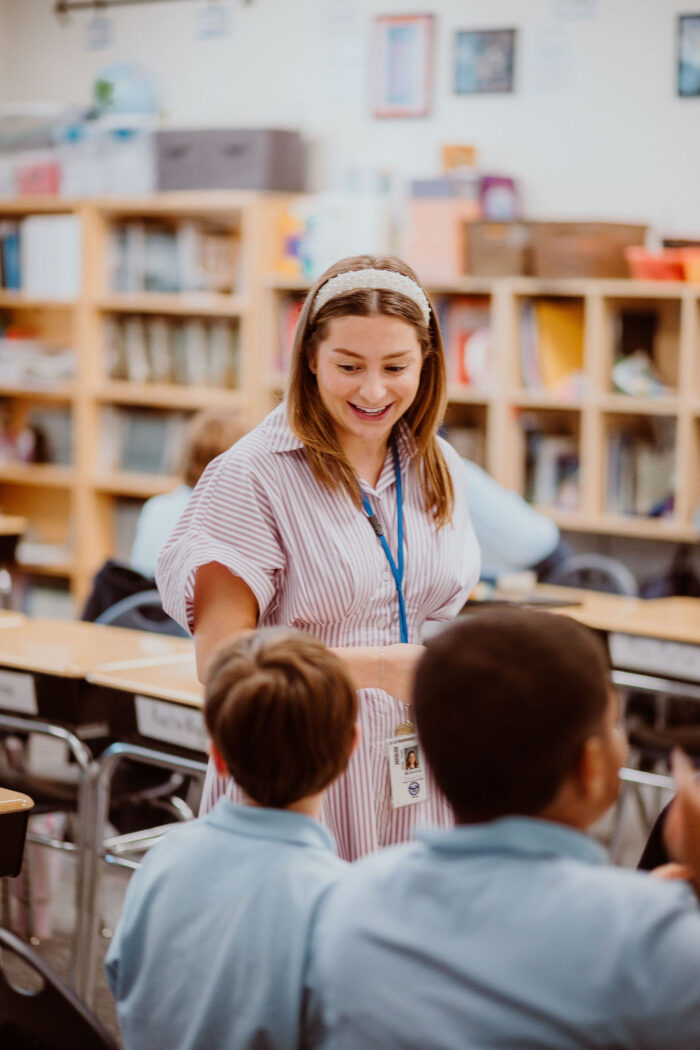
(281, 711)
(209, 433)
(504, 700)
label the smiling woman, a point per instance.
(342, 514)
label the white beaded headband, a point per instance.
(377, 280)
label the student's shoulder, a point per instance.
(375, 873)
(638, 904)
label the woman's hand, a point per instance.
(398, 670)
(387, 667)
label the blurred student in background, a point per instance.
(208, 435)
(513, 536)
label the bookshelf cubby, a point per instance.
(501, 417)
(184, 274)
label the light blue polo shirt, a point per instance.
(512, 935)
(211, 948)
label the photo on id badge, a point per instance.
(406, 772)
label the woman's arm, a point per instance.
(224, 607)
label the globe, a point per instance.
(125, 88)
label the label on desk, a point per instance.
(173, 723)
(17, 692)
(655, 655)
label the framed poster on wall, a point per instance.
(484, 61)
(688, 85)
(402, 65)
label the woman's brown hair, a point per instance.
(308, 417)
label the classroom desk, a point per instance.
(659, 637)
(44, 666)
(162, 725)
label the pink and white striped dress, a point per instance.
(313, 562)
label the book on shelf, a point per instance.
(10, 270)
(196, 352)
(50, 256)
(640, 474)
(467, 335)
(551, 345)
(27, 362)
(160, 358)
(189, 352)
(552, 468)
(53, 434)
(468, 441)
(224, 355)
(141, 441)
(156, 257)
(160, 261)
(138, 367)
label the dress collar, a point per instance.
(258, 822)
(524, 836)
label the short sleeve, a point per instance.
(229, 520)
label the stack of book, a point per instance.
(551, 346)
(639, 475)
(465, 322)
(41, 256)
(141, 441)
(552, 469)
(191, 352)
(27, 362)
(191, 257)
(470, 442)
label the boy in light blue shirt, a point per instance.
(509, 931)
(211, 948)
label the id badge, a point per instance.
(406, 771)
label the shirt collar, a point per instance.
(525, 836)
(258, 822)
(280, 436)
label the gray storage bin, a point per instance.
(230, 158)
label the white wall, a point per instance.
(3, 49)
(594, 129)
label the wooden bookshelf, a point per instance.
(592, 415)
(72, 507)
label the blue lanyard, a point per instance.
(397, 571)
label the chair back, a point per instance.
(142, 612)
(594, 572)
(52, 1017)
